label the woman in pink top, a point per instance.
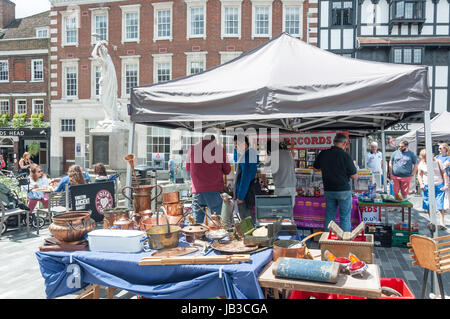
(440, 184)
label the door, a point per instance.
(68, 153)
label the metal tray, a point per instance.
(232, 247)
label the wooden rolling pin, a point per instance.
(194, 260)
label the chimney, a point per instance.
(7, 12)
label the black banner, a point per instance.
(95, 197)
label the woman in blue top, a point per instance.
(245, 175)
(75, 176)
(444, 158)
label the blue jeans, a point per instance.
(212, 200)
(172, 176)
(344, 201)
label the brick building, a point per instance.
(150, 42)
(24, 81)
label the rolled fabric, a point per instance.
(306, 269)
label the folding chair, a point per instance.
(58, 203)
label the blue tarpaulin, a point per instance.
(119, 270)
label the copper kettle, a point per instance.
(124, 224)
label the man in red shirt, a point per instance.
(207, 163)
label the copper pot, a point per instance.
(142, 196)
(282, 248)
(150, 222)
(170, 198)
(175, 209)
(124, 224)
(112, 215)
(71, 226)
(194, 232)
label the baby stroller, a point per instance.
(11, 200)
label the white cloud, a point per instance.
(25, 8)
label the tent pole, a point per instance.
(383, 151)
(131, 136)
(430, 177)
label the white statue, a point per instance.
(108, 85)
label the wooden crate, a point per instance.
(341, 248)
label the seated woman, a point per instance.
(37, 181)
(75, 176)
(100, 173)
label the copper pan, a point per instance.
(170, 198)
(291, 248)
(175, 209)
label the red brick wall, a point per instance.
(7, 12)
(212, 44)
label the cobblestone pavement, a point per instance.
(20, 276)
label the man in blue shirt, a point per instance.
(402, 167)
(171, 165)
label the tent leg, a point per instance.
(383, 151)
(131, 136)
(431, 193)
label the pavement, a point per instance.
(20, 276)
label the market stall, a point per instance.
(304, 89)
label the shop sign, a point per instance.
(371, 214)
(316, 140)
(22, 132)
(95, 197)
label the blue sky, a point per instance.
(25, 8)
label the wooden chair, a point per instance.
(431, 254)
(58, 203)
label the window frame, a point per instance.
(293, 4)
(352, 16)
(65, 16)
(127, 61)
(33, 74)
(94, 66)
(413, 54)
(8, 105)
(33, 106)
(195, 4)
(233, 4)
(72, 63)
(97, 12)
(133, 8)
(158, 7)
(67, 126)
(159, 59)
(262, 3)
(191, 57)
(16, 106)
(7, 69)
(40, 29)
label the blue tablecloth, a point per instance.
(118, 270)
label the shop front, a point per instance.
(15, 142)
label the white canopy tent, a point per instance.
(289, 85)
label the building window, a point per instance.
(195, 62)
(226, 56)
(231, 21)
(71, 81)
(68, 125)
(131, 77)
(407, 55)
(158, 142)
(292, 20)
(164, 23)
(37, 72)
(342, 13)
(197, 22)
(71, 30)
(262, 21)
(409, 10)
(101, 26)
(130, 23)
(162, 67)
(97, 76)
(163, 72)
(38, 106)
(197, 67)
(42, 32)
(21, 106)
(4, 71)
(4, 106)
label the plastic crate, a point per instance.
(400, 238)
(399, 285)
(382, 235)
(394, 283)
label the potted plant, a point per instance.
(37, 120)
(34, 149)
(19, 120)
(4, 119)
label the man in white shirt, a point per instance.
(374, 159)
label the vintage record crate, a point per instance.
(341, 248)
(382, 235)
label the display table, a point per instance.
(119, 270)
(368, 286)
(405, 204)
(309, 212)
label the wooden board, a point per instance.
(367, 286)
(177, 251)
(194, 260)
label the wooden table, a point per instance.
(402, 205)
(368, 286)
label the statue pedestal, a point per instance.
(109, 145)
